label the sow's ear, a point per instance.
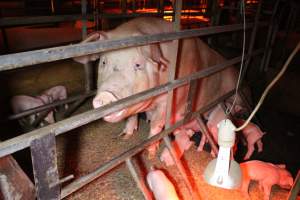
(153, 52)
(91, 38)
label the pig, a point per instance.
(21, 103)
(182, 142)
(253, 135)
(267, 175)
(161, 186)
(131, 70)
(214, 117)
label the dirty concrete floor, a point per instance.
(88, 147)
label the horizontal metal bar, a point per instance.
(51, 105)
(15, 144)
(17, 60)
(77, 184)
(22, 21)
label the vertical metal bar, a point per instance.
(192, 92)
(138, 179)
(43, 154)
(5, 41)
(205, 131)
(171, 77)
(295, 189)
(252, 40)
(134, 6)
(123, 6)
(268, 42)
(83, 12)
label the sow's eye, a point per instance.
(138, 66)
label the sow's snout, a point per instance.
(104, 98)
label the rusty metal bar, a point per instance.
(8, 62)
(205, 131)
(22, 21)
(51, 105)
(109, 165)
(138, 179)
(43, 154)
(296, 188)
(15, 144)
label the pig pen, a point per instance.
(85, 148)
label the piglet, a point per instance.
(182, 142)
(21, 103)
(253, 135)
(55, 93)
(161, 186)
(214, 117)
(267, 175)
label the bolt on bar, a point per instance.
(8, 62)
(20, 142)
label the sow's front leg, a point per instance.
(158, 119)
(130, 127)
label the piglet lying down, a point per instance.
(161, 186)
(267, 175)
(22, 103)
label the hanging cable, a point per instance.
(263, 96)
(229, 109)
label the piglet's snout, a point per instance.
(103, 98)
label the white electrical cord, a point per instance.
(286, 64)
(229, 109)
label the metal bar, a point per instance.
(252, 40)
(268, 41)
(43, 154)
(295, 189)
(51, 105)
(109, 165)
(171, 77)
(22, 21)
(205, 131)
(83, 18)
(8, 62)
(138, 179)
(123, 6)
(5, 40)
(15, 144)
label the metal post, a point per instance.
(295, 189)
(268, 42)
(171, 77)
(123, 6)
(205, 131)
(138, 179)
(252, 40)
(43, 154)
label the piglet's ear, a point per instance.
(154, 53)
(281, 166)
(93, 37)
